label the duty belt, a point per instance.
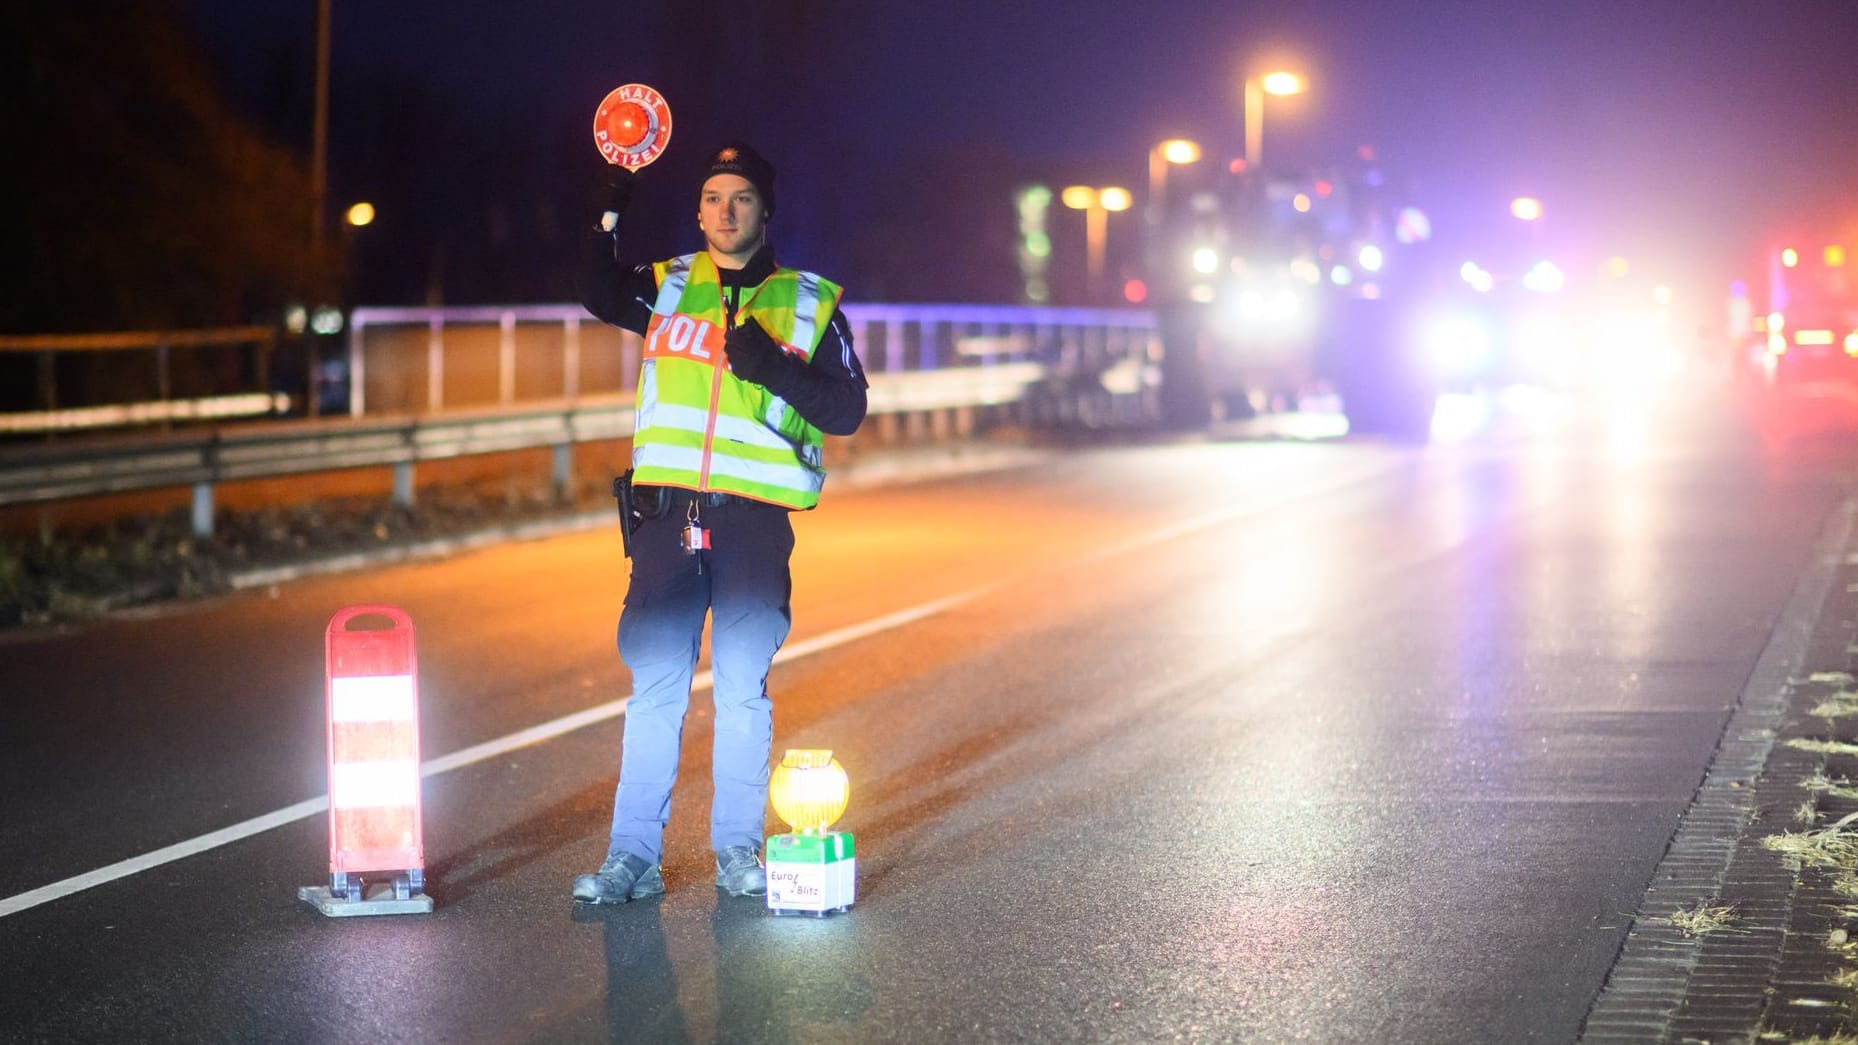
(716, 499)
(683, 495)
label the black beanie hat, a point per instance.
(739, 159)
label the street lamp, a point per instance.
(1529, 211)
(319, 134)
(1172, 151)
(1096, 205)
(1256, 87)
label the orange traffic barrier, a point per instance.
(374, 808)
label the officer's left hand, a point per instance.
(753, 354)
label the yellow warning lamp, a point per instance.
(809, 789)
(815, 869)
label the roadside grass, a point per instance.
(1823, 747)
(83, 573)
(1841, 704)
(1834, 787)
(1832, 850)
(1831, 847)
(1704, 917)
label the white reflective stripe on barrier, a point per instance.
(371, 785)
(372, 698)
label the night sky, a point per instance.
(1679, 134)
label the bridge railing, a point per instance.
(146, 378)
(427, 360)
(430, 384)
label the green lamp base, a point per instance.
(811, 874)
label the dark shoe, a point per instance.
(623, 877)
(739, 871)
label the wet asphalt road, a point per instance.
(1218, 740)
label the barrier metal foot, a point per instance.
(376, 899)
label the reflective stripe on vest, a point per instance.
(700, 427)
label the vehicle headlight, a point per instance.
(1251, 307)
(1283, 307)
(1457, 344)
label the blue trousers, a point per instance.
(744, 588)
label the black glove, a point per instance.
(753, 354)
(612, 190)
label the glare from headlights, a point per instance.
(1544, 278)
(1458, 344)
(1284, 306)
(1481, 281)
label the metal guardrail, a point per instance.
(87, 469)
(161, 404)
(921, 360)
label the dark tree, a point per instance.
(139, 198)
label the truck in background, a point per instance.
(1271, 289)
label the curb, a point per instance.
(1667, 985)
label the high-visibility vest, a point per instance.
(700, 427)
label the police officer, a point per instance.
(746, 365)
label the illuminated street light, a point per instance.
(1174, 151)
(360, 214)
(1282, 83)
(1526, 208)
(1180, 150)
(1279, 83)
(1096, 205)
